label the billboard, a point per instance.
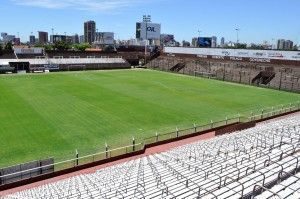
(29, 50)
(219, 53)
(148, 30)
(204, 42)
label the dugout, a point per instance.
(20, 66)
(5, 68)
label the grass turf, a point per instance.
(51, 115)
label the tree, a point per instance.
(186, 43)
(82, 47)
(109, 49)
(295, 47)
(1, 49)
(48, 47)
(8, 46)
(45, 46)
(257, 47)
(61, 45)
(241, 46)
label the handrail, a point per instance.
(235, 180)
(210, 171)
(266, 189)
(289, 174)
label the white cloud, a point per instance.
(89, 5)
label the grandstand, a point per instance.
(285, 77)
(67, 64)
(260, 162)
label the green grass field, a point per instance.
(51, 115)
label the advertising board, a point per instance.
(264, 55)
(148, 30)
(204, 42)
(28, 50)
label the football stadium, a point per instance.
(178, 128)
(103, 114)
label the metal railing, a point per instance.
(134, 147)
(189, 131)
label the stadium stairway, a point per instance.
(264, 77)
(178, 67)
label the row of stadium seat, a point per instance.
(260, 162)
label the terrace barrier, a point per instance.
(239, 122)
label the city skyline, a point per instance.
(177, 17)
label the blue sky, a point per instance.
(258, 20)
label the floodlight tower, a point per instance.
(146, 20)
(199, 32)
(237, 35)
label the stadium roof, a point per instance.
(64, 61)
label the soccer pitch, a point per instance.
(51, 115)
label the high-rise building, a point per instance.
(280, 44)
(195, 42)
(285, 44)
(213, 41)
(89, 31)
(43, 37)
(288, 45)
(75, 39)
(17, 41)
(104, 38)
(81, 39)
(7, 38)
(58, 38)
(3, 34)
(222, 45)
(32, 39)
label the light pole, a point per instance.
(146, 20)
(199, 33)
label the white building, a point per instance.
(7, 38)
(213, 41)
(222, 45)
